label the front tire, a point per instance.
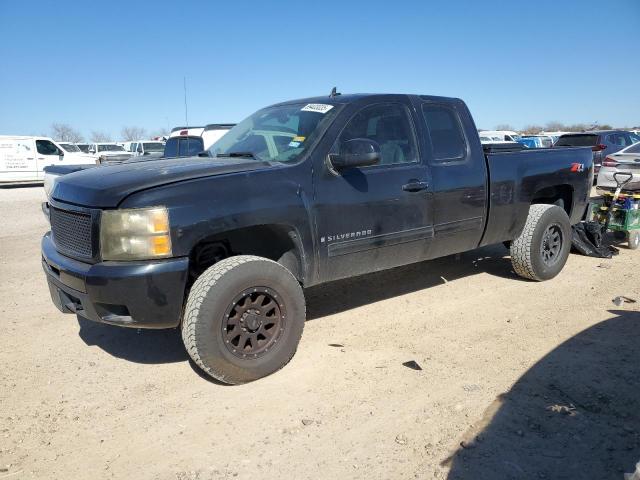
(633, 239)
(542, 249)
(243, 319)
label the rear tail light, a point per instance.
(609, 162)
(598, 148)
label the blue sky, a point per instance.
(103, 65)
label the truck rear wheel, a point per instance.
(243, 319)
(542, 249)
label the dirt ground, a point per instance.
(518, 380)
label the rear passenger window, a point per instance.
(445, 131)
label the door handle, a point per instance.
(415, 186)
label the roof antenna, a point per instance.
(186, 117)
(334, 93)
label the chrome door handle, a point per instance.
(415, 186)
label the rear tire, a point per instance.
(542, 249)
(633, 239)
(243, 319)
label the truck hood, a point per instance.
(107, 186)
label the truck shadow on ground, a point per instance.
(342, 295)
(139, 346)
(165, 346)
(574, 414)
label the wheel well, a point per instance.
(561, 195)
(275, 242)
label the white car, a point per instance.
(109, 152)
(71, 150)
(145, 147)
(626, 160)
(504, 135)
(23, 158)
(189, 141)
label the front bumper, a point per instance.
(145, 294)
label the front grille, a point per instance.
(72, 232)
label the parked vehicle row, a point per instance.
(24, 158)
(602, 143)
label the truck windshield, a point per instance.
(276, 134)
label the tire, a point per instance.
(633, 240)
(224, 316)
(536, 254)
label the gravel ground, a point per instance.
(518, 379)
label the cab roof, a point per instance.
(342, 99)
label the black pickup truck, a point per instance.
(299, 193)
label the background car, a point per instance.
(108, 153)
(504, 135)
(189, 141)
(602, 142)
(73, 151)
(536, 141)
(23, 158)
(626, 160)
(145, 147)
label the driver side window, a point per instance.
(389, 126)
(45, 147)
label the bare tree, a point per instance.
(133, 133)
(504, 126)
(554, 126)
(160, 132)
(532, 129)
(65, 133)
(577, 127)
(97, 136)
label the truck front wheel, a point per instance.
(541, 250)
(243, 319)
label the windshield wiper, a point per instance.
(237, 154)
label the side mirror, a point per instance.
(358, 152)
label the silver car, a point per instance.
(625, 160)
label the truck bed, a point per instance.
(541, 173)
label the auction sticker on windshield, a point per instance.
(317, 107)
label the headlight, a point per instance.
(135, 234)
(49, 183)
